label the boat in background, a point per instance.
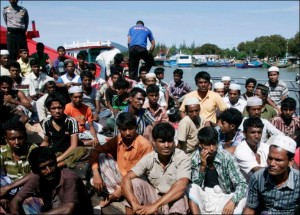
(246, 64)
(180, 60)
(90, 49)
(160, 60)
(200, 62)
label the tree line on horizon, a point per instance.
(273, 46)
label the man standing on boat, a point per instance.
(137, 44)
(16, 19)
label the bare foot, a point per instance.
(106, 201)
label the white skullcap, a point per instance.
(283, 142)
(150, 75)
(192, 101)
(75, 89)
(254, 101)
(4, 52)
(226, 78)
(219, 85)
(273, 69)
(235, 87)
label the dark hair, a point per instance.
(114, 72)
(250, 80)
(49, 83)
(40, 45)
(80, 55)
(121, 83)
(54, 97)
(152, 88)
(14, 125)
(254, 122)
(137, 90)
(288, 103)
(263, 89)
(91, 66)
(159, 70)
(203, 75)
(67, 61)
(14, 64)
(40, 155)
(6, 79)
(143, 68)
(118, 58)
(60, 47)
(208, 136)
(140, 22)
(232, 116)
(178, 72)
(34, 62)
(86, 73)
(126, 120)
(164, 131)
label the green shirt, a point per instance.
(15, 169)
(230, 178)
(267, 112)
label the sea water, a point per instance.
(239, 76)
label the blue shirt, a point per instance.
(274, 200)
(139, 35)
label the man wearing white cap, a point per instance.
(84, 116)
(219, 88)
(4, 65)
(254, 107)
(277, 88)
(276, 188)
(233, 100)
(189, 126)
(226, 81)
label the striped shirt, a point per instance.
(143, 119)
(12, 168)
(264, 193)
(179, 90)
(230, 178)
(275, 93)
(60, 140)
(288, 130)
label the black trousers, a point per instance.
(16, 40)
(136, 53)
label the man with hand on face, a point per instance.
(61, 190)
(217, 186)
(276, 188)
(168, 172)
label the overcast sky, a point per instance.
(224, 23)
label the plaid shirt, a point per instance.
(144, 119)
(12, 168)
(288, 130)
(177, 91)
(275, 93)
(230, 178)
(263, 192)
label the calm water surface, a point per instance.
(239, 75)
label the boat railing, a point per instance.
(77, 44)
(293, 87)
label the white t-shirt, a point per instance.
(246, 160)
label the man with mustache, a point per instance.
(217, 186)
(287, 123)
(168, 172)
(276, 188)
(61, 190)
(209, 101)
(111, 161)
(189, 126)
